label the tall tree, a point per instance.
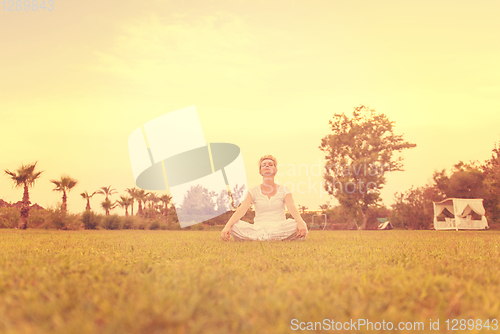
(359, 152)
(125, 202)
(86, 196)
(236, 195)
(165, 199)
(198, 200)
(106, 191)
(25, 176)
(491, 169)
(132, 192)
(222, 202)
(64, 185)
(152, 198)
(107, 205)
(141, 197)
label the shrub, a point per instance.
(129, 222)
(90, 220)
(61, 220)
(38, 218)
(155, 225)
(197, 227)
(9, 217)
(58, 219)
(173, 226)
(111, 222)
(142, 224)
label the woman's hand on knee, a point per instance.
(225, 233)
(301, 229)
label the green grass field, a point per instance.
(192, 282)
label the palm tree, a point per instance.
(165, 199)
(132, 192)
(303, 208)
(25, 176)
(107, 191)
(141, 197)
(86, 195)
(124, 202)
(65, 184)
(153, 199)
(108, 205)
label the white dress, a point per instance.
(270, 222)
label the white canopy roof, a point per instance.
(460, 207)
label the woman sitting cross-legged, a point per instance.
(269, 199)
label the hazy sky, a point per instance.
(264, 75)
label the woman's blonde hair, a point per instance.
(269, 157)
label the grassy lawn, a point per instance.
(192, 282)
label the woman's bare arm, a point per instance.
(301, 224)
(240, 212)
(290, 205)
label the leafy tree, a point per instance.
(466, 184)
(86, 196)
(199, 201)
(302, 208)
(471, 180)
(222, 202)
(324, 207)
(64, 185)
(358, 153)
(25, 176)
(466, 181)
(236, 194)
(491, 170)
(441, 181)
(414, 208)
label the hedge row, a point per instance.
(56, 219)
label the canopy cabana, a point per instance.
(461, 209)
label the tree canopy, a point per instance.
(466, 181)
(359, 152)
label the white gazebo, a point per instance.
(461, 209)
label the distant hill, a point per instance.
(4, 204)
